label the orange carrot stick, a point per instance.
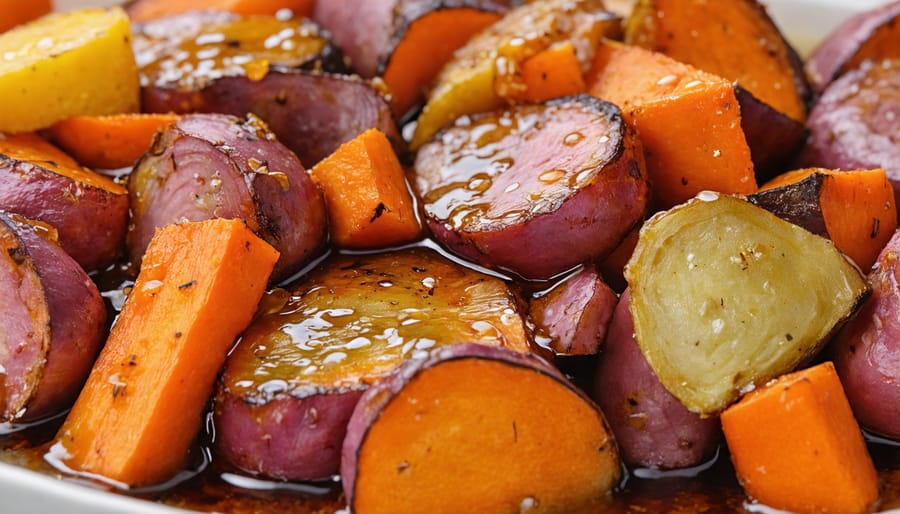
(16, 12)
(146, 10)
(142, 406)
(553, 73)
(796, 446)
(109, 142)
(368, 203)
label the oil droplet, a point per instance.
(152, 285)
(385, 283)
(573, 138)
(717, 153)
(668, 79)
(512, 187)
(428, 282)
(551, 176)
(708, 196)
(334, 358)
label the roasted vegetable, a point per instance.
(479, 420)
(487, 71)
(109, 142)
(873, 35)
(573, 317)
(54, 322)
(867, 351)
(368, 200)
(65, 64)
(855, 209)
(855, 123)
(653, 429)
(796, 447)
(146, 10)
(726, 296)
(736, 40)
(143, 403)
(534, 189)
(89, 210)
(216, 166)
(290, 385)
(687, 120)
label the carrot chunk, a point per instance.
(796, 446)
(146, 10)
(366, 196)
(553, 73)
(855, 207)
(16, 12)
(142, 406)
(109, 142)
(688, 120)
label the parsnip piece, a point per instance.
(726, 296)
(67, 64)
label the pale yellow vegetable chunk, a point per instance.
(66, 64)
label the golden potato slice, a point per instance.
(67, 64)
(726, 296)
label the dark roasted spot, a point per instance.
(379, 210)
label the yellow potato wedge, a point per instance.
(66, 64)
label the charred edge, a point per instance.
(379, 211)
(797, 203)
(17, 254)
(404, 16)
(187, 285)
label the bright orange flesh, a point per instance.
(368, 203)
(146, 10)
(688, 121)
(473, 435)
(428, 43)
(29, 147)
(797, 447)
(142, 406)
(553, 73)
(109, 142)
(858, 208)
(16, 12)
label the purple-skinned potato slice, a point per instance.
(54, 322)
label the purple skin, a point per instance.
(856, 122)
(773, 138)
(91, 220)
(286, 437)
(311, 113)
(575, 315)
(382, 392)
(362, 30)
(207, 166)
(653, 428)
(367, 31)
(866, 351)
(559, 195)
(77, 327)
(827, 60)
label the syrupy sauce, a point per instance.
(218, 488)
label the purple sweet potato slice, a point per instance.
(653, 428)
(295, 90)
(54, 322)
(290, 385)
(856, 122)
(535, 189)
(870, 35)
(218, 166)
(867, 350)
(190, 50)
(406, 42)
(472, 428)
(773, 137)
(573, 317)
(90, 211)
